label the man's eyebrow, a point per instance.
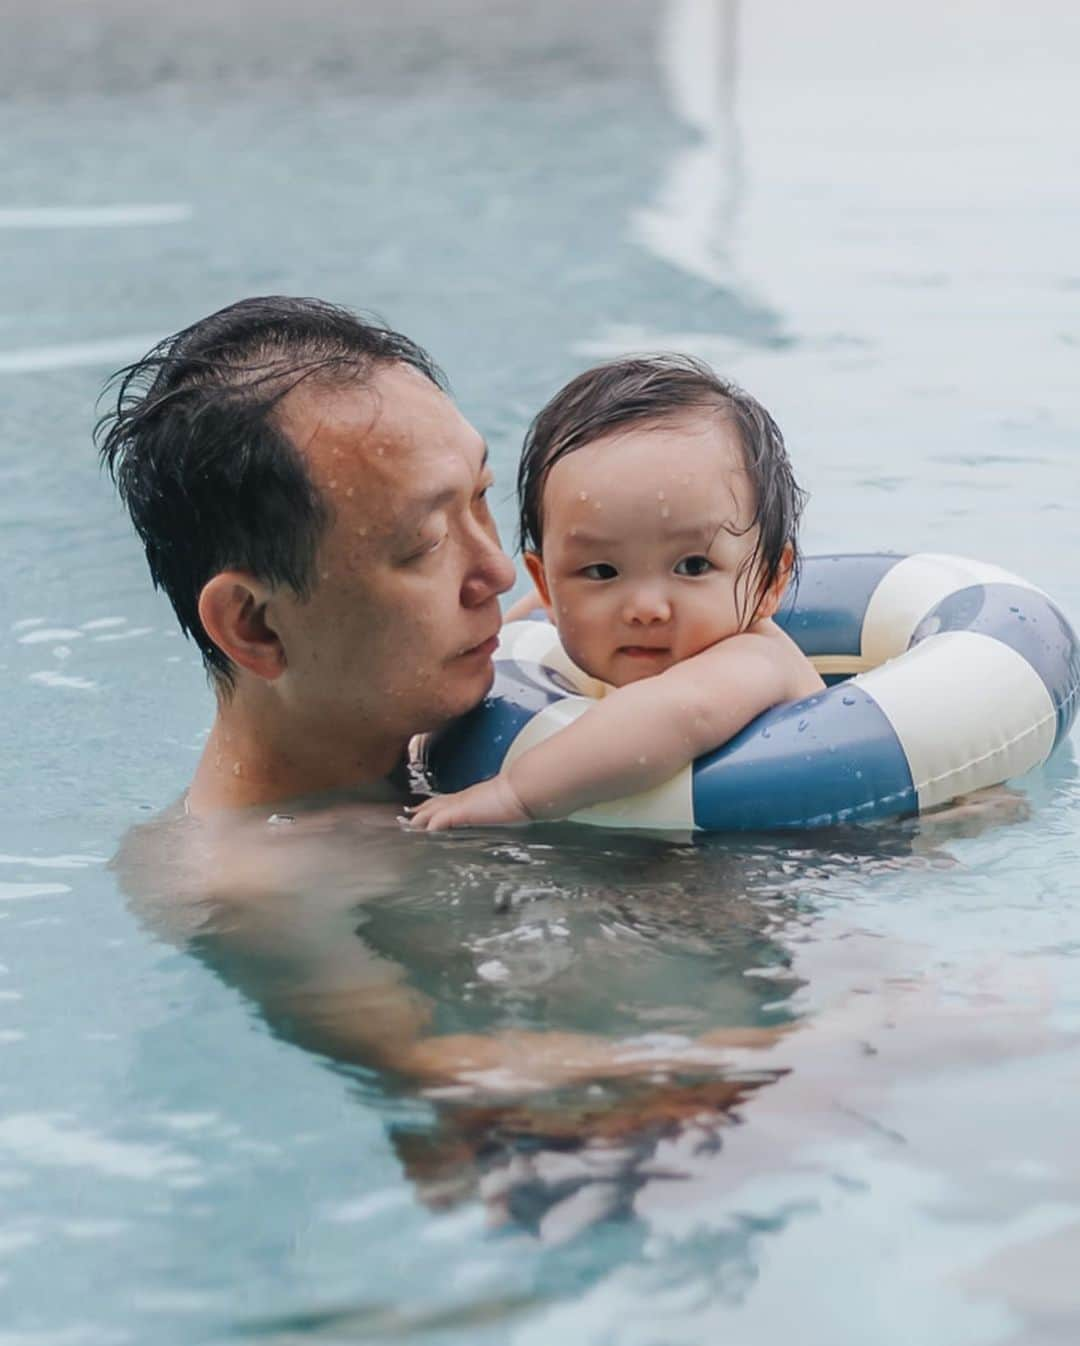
(428, 504)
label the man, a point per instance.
(315, 508)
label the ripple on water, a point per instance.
(17, 892)
(49, 635)
(56, 1141)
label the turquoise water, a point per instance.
(871, 222)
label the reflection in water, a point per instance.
(690, 223)
(454, 977)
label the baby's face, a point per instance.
(647, 541)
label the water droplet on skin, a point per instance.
(349, 491)
(583, 495)
(665, 513)
(237, 769)
(643, 761)
(333, 483)
(660, 495)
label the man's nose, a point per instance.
(647, 605)
(491, 572)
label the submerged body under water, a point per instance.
(219, 1117)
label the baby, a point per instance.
(658, 522)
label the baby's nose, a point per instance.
(648, 606)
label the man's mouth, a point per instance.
(484, 650)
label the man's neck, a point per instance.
(252, 758)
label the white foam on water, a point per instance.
(49, 633)
(16, 892)
(92, 217)
(35, 359)
(49, 678)
(53, 1141)
(53, 861)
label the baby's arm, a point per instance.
(639, 736)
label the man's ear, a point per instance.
(770, 599)
(534, 564)
(232, 609)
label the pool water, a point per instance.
(870, 220)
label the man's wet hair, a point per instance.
(652, 390)
(195, 446)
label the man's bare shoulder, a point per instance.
(182, 875)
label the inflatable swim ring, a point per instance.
(945, 676)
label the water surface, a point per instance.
(870, 220)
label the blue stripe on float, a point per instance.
(831, 758)
(472, 748)
(824, 612)
(1027, 622)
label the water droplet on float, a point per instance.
(766, 733)
(848, 700)
(1012, 609)
(802, 726)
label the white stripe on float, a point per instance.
(92, 217)
(911, 590)
(531, 641)
(538, 643)
(118, 350)
(968, 710)
(667, 805)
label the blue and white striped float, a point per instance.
(946, 675)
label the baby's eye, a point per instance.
(693, 566)
(600, 571)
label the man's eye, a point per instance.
(600, 571)
(693, 566)
(427, 549)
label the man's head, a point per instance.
(658, 513)
(276, 459)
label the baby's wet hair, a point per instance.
(651, 389)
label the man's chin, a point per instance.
(463, 694)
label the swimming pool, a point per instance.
(870, 221)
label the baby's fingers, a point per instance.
(421, 816)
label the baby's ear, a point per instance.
(534, 564)
(770, 599)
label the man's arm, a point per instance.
(638, 736)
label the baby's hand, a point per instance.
(491, 802)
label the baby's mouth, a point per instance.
(644, 651)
